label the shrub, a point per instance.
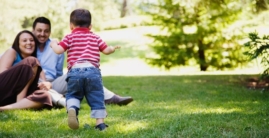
(258, 47)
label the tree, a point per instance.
(12, 13)
(195, 33)
(124, 8)
(17, 15)
(261, 5)
(101, 10)
(58, 16)
(258, 47)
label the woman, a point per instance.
(19, 75)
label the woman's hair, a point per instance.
(16, 43)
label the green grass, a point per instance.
(164, 107)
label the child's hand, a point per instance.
(53, 42)
(114, 48)
(110, 49)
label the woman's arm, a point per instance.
(7, 59)
(43, 84)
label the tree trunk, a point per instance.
(261, 5)
(124, 9)
(201, 54)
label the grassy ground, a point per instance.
(179, 103)
(164, 106)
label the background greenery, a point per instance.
(207, 33)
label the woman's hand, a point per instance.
(45, 85)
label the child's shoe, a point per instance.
(101, 126)
(72, 119)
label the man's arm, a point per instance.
(60, 65)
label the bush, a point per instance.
(258, 47)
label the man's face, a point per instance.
(42, 32)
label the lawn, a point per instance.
(167, 104)
(164, 106)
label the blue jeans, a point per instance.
(86, 81)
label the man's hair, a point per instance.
(41, 20)
(81, 18)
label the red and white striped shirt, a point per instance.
(83, 45)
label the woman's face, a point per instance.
(26, 45)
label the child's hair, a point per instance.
(81, 18)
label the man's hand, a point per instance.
(45, 85)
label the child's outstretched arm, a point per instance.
(56, 48)
(110, 49)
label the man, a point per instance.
(52, 65)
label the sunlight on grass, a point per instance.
(193, 109)
(212, 110)
(138, 67)
(131, 126)
(135, 34)
(132, 67)
(163, 106)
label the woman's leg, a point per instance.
(23, 93)
(22, 104)
(35, 98)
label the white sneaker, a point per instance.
(72, 119)
(57, 98)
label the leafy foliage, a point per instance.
(17, 15)
(195, 33)
(258, 47)
(261, 5)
